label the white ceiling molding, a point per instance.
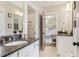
(17, 3)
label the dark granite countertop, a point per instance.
(64, 35)
(6, 50)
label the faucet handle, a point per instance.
(10, 39)
(2, 42)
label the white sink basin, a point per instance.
(15, 43)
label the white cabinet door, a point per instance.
(12, 55)
(24, 52)
(65, 46)
(37, 48)
(35, 51)
(31, 54)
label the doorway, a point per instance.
(49, 29)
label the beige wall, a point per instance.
(36, 19)
(31, 25)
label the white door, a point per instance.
(42, 32)
(76, 30)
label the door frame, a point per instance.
(42, 47)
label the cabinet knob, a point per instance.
(74, 43)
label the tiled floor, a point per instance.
(50, 51)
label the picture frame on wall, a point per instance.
(9, 25)
(9, 15)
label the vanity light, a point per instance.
(18, 13)
(21, 14)
(69, 6)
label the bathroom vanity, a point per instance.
(29, 49)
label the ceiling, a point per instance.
(48, 3)
(38, 4)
